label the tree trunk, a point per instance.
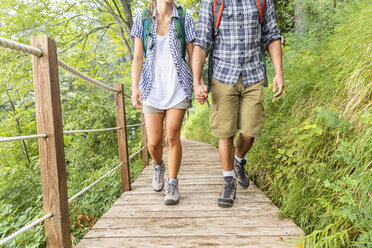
(128, 16)
(20, 132)
(299, 16)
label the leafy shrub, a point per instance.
(314, 157)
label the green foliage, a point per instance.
(88, 156)
(197, 127)
(284, 15)
(314, 157)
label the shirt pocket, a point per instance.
(252, 17)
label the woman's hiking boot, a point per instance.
(171, 193)
(158, 178)
(241, 174)
(228, 193)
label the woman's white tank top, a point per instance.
(166, 91)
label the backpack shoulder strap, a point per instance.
(147, 28)
(261, 4)
(217, 14)
(180, 28)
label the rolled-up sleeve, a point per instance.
(137, 29)
(190, 28)
(270, 28)
(205, 24)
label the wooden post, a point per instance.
(122, 138)
(51, 149)
(145, 152)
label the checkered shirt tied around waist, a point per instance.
(183, 71)
(237, 48)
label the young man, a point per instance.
(238, 80)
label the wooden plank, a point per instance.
(184, 207)
(140, 219)
(190, 231)
(192, 242)
(198, 223)
(51, 149)
(190, 198)
(169, 213)
(122, 138)
(217, 187)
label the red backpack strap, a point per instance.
(217, 8)
(261, 4)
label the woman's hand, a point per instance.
(136, 94)
(201, 94)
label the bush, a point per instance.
(314, 157)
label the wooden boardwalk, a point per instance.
(140, 219)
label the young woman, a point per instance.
(163, 86)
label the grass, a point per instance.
(314, 158)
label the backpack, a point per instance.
(180, 28)
(217, 14)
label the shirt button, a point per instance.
(240, 13)
(241, 26)
(241, 40)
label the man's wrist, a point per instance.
(197, 83)
(279, 75)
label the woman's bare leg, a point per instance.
(154, 129)
(173, 123)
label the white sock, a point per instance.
(157, 166)
(238, 159)
(228, 173)
(171, 180)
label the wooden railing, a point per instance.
(51, 143)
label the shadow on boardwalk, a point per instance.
(140, 219)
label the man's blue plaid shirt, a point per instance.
(237, 52)
(183, 71)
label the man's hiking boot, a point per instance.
(171, 193)
(228, 193)
(158, 179)
(241, 174)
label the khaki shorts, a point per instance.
(236, 108)
(185, 104)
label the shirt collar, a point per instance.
(174, 12)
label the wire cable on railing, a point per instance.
(10, 139)
(20, 47)
(84, 77)
(136, 125)
(102, 177)
(134, 154)
(91, 130)
(94, 183)
(23, 229)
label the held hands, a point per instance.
(278, 82)
(201, 91)
(136, 94)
